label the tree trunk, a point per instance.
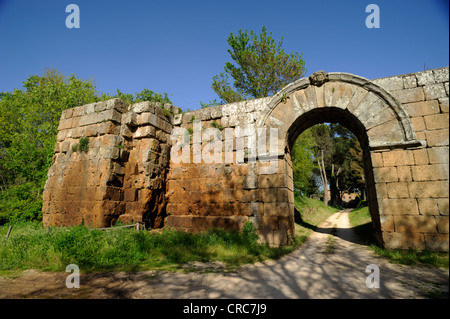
(323, 176)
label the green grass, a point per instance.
(361, 221)
(362, 224)
(29, 247)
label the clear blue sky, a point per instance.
(178, 46)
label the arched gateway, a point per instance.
(130, 173)
(370, 112)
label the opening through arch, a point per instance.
(369, 111)
(350, 122)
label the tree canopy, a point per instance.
(331, 155)
(30, 119)
(261, 67)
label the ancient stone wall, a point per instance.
(413, 185)
(130, 173)
(204, 195)
(121, 175)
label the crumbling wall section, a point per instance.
(119, 175)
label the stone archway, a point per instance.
(369, 111)
(406, 167)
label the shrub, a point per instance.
(84, 144)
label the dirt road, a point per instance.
(331, 264)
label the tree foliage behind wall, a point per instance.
(260, 67)
(29, 122)
(328, 156)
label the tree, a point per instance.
(30, 120)
(144, 95)
(323, 152)
(261, 67)
(303, 163)
(357, 168)
(347, 171)
(339, 161)
(29, 123)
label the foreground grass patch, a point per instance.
(361, 221)
(29, 246)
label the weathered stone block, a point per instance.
(438, 155)
(67, 114)
(149, 118)
(436, 121)
(276, 209)
(145, 131)
(116, 104)
(387, 223)
(420, 156)
(443, 206)
(392, 240)
(418, 123)
(108, 128)
(377, 159)
(433, 172)
(398, 158)
(130, 194)
(88, 119)
(271, 181)
(377, 114)
(384, 133)
(397, 190)
(410, 82)
(130, 119)
(409, 95)
(414, 241)
(422, 108)
(428, 206)
(437, 138)
(442, 224)
(177, 119)
(385, 174)
(390, 84)
(109, 115)
(441, 75)
(425, 78)
(142, 107)
(65, 124)
(400, 207)
(434, 91)
(91, 130)
(436, 242)
(443, 104)
(427, 189)
(404, 173)
(79, 111)
(415, 224)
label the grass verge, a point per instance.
(29, 246)
(309, 214)
(361, 221)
